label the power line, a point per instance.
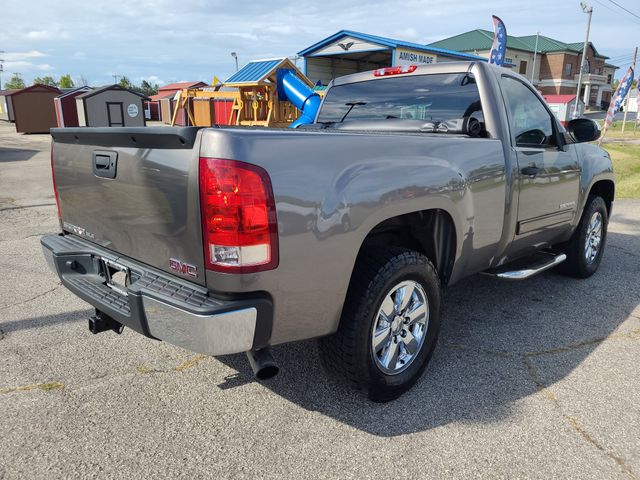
(626, 10)
(617, 11)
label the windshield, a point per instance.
(437, 97)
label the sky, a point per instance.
(167, 41)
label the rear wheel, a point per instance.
(585, 248)
(389, 325)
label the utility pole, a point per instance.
(235, 55)
(626, 99)
(115, 78)
(1, 68)
(589, 10)
(535, 54)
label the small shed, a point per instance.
(66, 106)
(562, 106)
(111, 106)
(6, 110)
(152, 110)
(33, 108)
(166, 106)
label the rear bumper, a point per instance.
(159, 305)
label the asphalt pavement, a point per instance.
(537, 379)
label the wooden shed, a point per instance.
(33, 108)
(111, 106)
(66, 106)
(6, 110)
(166, 108)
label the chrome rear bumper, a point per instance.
(157, 304)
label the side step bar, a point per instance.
(535, 265)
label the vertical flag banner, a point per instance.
(499, 47)
(617, 99)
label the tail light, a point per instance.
(238, 211)
(383, 72)
(55, 189)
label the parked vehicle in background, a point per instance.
(226, 240)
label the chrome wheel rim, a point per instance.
(594, 237)
(400, 327)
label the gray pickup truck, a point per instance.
(227, 240)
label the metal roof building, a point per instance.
(254, 72)
(347, 52)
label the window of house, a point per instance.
(609, 78)
(531, 123)
(567, 69)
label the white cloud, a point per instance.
(18, 56)
(194, 39)
(152, 79)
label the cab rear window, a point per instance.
(436, 97)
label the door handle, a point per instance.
(102, 161)
(105, 163)
(531, 171)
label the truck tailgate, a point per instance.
(149, 209)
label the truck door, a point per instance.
(548, 172)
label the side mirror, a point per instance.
(583, 130)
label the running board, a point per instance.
(521, 270)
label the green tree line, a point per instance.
(65, 81)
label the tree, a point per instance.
(148, 89)
(66, 81)
(125, 82)
(83, 81)
(46, 80)
(15, 83)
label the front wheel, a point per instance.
(585, 248)
(389, 325)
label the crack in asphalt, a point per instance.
(48, 386)
(21, 207)
(5, 307)
(572, 421)
(142, 369)
(630, 335)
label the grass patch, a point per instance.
(626, 165)
(615, 130)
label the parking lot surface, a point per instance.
(537, 379)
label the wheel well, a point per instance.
(430, 232)
(606, 190)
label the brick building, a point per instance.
(556, 67)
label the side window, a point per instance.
(530, 121)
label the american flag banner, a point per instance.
(617, 99)
(499, 46)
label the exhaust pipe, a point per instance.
(262, 363)
(101, 322)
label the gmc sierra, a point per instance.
(227, 240)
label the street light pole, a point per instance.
(535, 54)
(589, 10)
(235, 55)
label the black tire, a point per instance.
(349, 352)
(577, 265)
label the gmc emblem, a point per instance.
(179, 266)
